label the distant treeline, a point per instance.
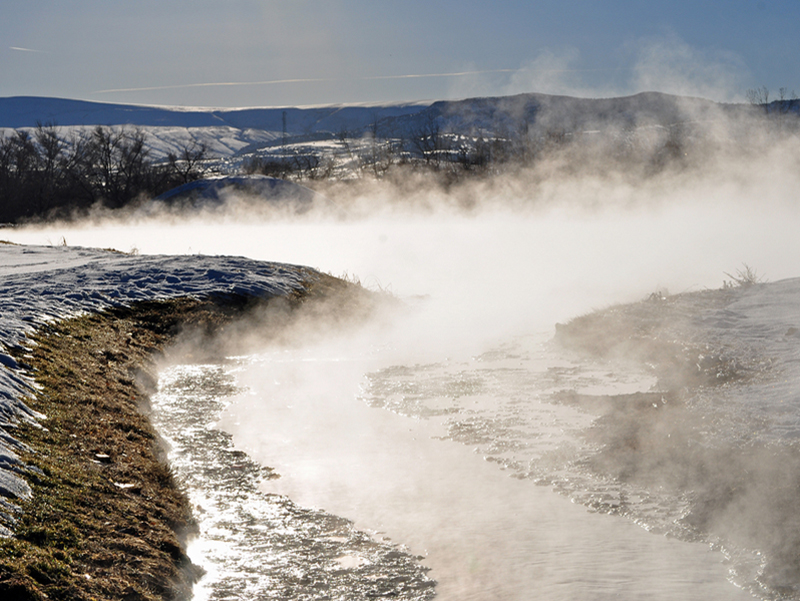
(43, 174)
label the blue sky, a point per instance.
(231, 53)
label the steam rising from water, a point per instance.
(525, 253)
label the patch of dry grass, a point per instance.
(107, 520)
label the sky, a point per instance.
(235, 53)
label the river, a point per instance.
(453, 464)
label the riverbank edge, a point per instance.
(739, 496)
(106, 519)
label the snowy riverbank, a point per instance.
(717, 435)
(725, 450)
(40, 284)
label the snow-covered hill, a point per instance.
(25, 111)
(229, 132)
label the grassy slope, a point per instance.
(107, 520)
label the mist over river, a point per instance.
(312, 416)
(427, 448)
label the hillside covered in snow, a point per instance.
(232, 132)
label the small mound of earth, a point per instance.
(215, 191)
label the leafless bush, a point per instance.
(743, 278)
(42, 173)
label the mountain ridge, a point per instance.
(555, 111)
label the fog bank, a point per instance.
(524, 257)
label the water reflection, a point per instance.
(263, 546)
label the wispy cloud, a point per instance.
(270, 82)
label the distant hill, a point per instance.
(562, 112)
(27, 111)
(571, 114)
(230, 133)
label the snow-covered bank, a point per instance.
(739, 345)
(39, 284)
(718, 434)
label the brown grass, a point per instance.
(107, 520)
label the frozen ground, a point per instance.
(759, 325)
(38, 284)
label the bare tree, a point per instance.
(41, 172)
(19, 166)
(759, 97)
(381, 152)
(186, 165)
(117, 164)
(777, 109)
(427, 139)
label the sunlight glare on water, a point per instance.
(257, 546)
(399, 466)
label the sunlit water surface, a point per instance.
(387, 471)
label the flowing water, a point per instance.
(438, 450)
(259, 546)
(386, 478)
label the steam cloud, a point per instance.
(608, 219)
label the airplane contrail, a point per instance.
(21, 49)
(301, 80)
(213, 84)
(269, 82)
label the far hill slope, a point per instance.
(27, 111)
(488, 115)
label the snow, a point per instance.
(39, 284)
(760, 326)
